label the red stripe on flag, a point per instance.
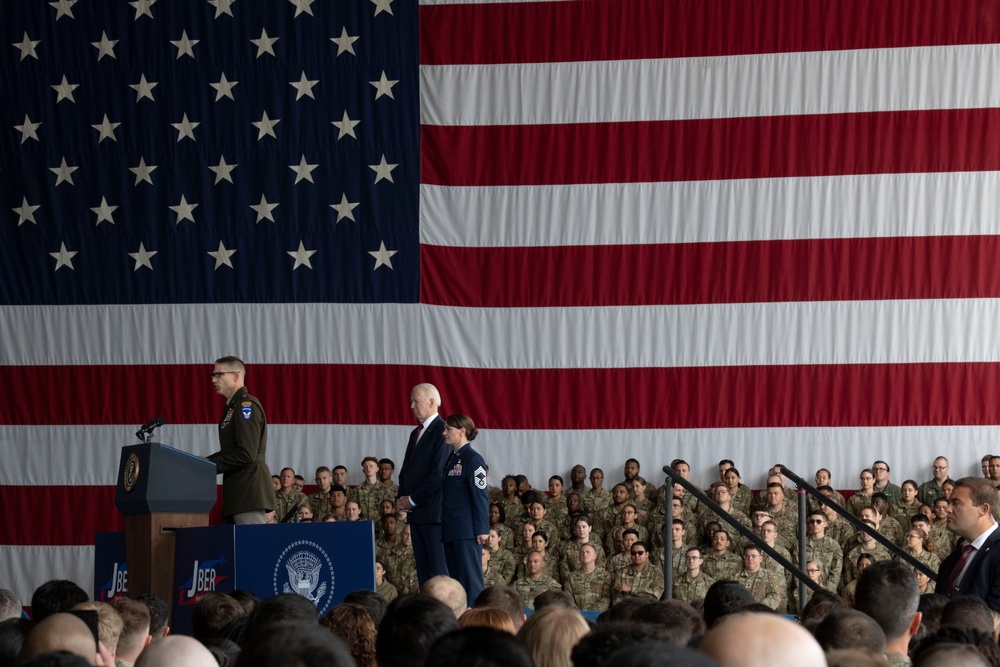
(634, 398)
(937, 267)
(713, 149)
(65, 515)
(578, 31)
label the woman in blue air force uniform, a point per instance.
(465, 506)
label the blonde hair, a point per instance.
(550, 635)
(487, 618)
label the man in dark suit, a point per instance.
(420, 482)
(973, 569)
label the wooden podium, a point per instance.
(160, 489)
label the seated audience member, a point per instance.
(411, 625)
(383, 587)
(658, 653)
(967, 611)
(639, 579)
(590, 584)
(723, 598)
(677, 621)
(622, 610)
(956, 647)
(354, 626)
(283, 607)
(596, 647)
(447, 590)
(553, 599)
(286, 498)
(213, 613)
(478, 646)
(849, 628)
(505, 599)
(817, 607)
(12, 634)
(720, 562)
(10, 605)
(135, 631)
(550, 635)
(109, 623)
(306, 514)
(373, 603)
(766, 587)
(931, 606)
(487, 618)
(158, 615)
(694, 583)
(301, 644)
(62, 631)
(55, 596)
(175, 651)
(887, 592)
(854, 657)
(535, 581)
(245, 598)
(764, 640)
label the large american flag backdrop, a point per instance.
(685, 228)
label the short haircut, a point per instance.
(982, 492)
(304, 645)
(888, 580)
(55, 596)
(10, 605)
(678, 621)
(604, 639)
(949, 644)
(504, 598)
(246, 599)
(12, 634)
(478, 646)
(282, 607)
(968, 611)
(411, 625)
(388, 462)
(212, 613)
(158, 613)
(109, 623)
(553, 598)
(322, 469)
(369, 458)
(723, 598)
(339, 467)
(232, 361)
(373, 603)
(448, 590)
(849, 628)
(135, 625)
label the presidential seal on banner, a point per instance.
(305, 569)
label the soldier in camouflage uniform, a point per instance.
(389, 489)
(286, 498)
(769, 533)
(491, 576)
(824, 551)
(369, 492)
(502, 560)
(621, 560)
(511, 504)
(590, 584)
(319, 501)
(720, 562)
(719, 492)
(534, 582)
(767, 588)
(639, 579)
(536, 513)
(837, 527)
(628, 520)
(401, 570)
(867, 545)
(693, 583)
(740, 495)
(887, 525)
(863, 496)
(784, 515)
(570, 557)
(556, 510)
(815, 572)
(679, 547)
(596, 499)
(944, 539)
(388, 542)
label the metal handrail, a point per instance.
(668, 559)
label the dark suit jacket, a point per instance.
(982, 579)
(420, 476)
(465, 503)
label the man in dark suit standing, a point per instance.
(973, 569)
(420, 482)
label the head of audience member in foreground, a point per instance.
(447, 590)
(956, 647)
(968, 611)
(212, 613)
(60, 632)
(373, 603)
(158, 615)
(890, 580)
(411, 625)
(652, 653)
(506, 599)
(761, 640)
(848, 628)
(677, 622)
(478, 647)
(854, 657)
(284, 607)
(135, 629)
(13, 632)
(550, 635)
(723, 598)
(55, 596)
(10, 605)
(355, 627)
(604, 639)
(175, 651)
(487, 618)
(299, 644)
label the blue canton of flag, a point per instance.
(190, 151)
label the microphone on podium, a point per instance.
(146, 430)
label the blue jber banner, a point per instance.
(322, 562)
